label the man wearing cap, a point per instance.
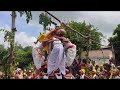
(94, 74)
(82, 74)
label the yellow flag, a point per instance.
(41, 37)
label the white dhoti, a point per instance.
(56, 59)
(36, 57)
(70, 55)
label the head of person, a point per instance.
(24, 75)
(82, 71)
(45, 70)
(60, 32)
(67, 71)
(57, 71)
(20, 71)
(88, 61)
(115, 72)
(107, 74)
(29, 73)
(101, 68)
(94, 71)
(98, 73)
(82, 66)
(91, 68)
(24, 70)
(32, 69)
(111, 61)
(101, 76)
(93, 62)
(108, 67)
(53, 32)
(84, 61)
(96, 67)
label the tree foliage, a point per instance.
(44, 20)
(23, 57)
(115, 41)
(28, 15)
(87, 30)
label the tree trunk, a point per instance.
(13, 29)
(44, 29)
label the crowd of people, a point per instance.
(79, 70)
(89, 70)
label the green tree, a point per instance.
(115, 42)
(44, 20)
(23, 56)
(3, 60)
(84, 44)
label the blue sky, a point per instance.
(26, 33)
(21, 24)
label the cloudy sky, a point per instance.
(105, 21)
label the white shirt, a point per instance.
(82, 76)
(94, 76)
(112, 66)
(117, 77)
(45, 77)
(56, 42)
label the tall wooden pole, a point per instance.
(11, 56)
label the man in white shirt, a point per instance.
(112, 64)
(45, 76)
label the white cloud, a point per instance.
(6, 27)
(21, 37)
(24, 39)
(104, 41)
(2, 39)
